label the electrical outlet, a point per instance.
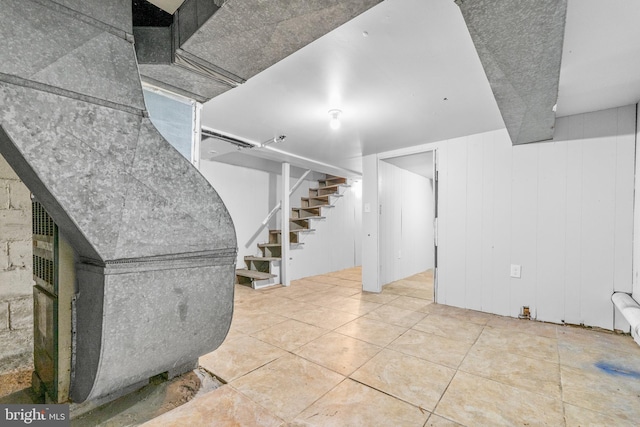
(516, 271)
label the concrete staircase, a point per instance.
(260, 269)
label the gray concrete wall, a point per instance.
(16, 304)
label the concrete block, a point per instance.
(4, 256)
(21, 314)
(15, 225)
(4, 194)
(19, 197)
(21, 254)
(6, 172)
(4, 316)
(15, 283)
(16, 351)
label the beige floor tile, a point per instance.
(355, 405)
(344, 291)
(338, 352)
(475, 401)
(272, 303)
(589, 357)
(581, 417)
(472, 316)
(520, 343)
(249, 321)
(323, 317)
(374, 297)
(371, 331)
(396, 316)
(596, 338)
(358, 307)
(288, 385)
(289, 334)
(292, 308)
(433, 348)
(426, 294)
(526, 326)
(322, 298)
(449, 327)
(410, 303)
(315, 285)
(527, 373)
(401, 287)
(409, 378)
(438, 421)
(613, 395)
(324, 278)
(223, 407)
(239, 356)
(295, 290)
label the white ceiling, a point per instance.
(421, 163)
(601, 56)
(390, 69)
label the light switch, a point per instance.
(516, 271)
(367, 207)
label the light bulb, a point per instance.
(335, 120)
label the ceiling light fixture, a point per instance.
(335, 120)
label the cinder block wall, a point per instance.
(16, 300)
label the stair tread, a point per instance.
(253, 274)
(261, 258)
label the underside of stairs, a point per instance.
(262, 270)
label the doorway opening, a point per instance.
(407, 194)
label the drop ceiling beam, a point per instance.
(520, 47)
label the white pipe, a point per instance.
(630, 310)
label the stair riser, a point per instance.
(271, 252)
(312, 212)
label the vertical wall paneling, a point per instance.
(636, 215)
(623, 258)
(562, 210)
(501, 290)
(370, 269)
(598, 215)
(573, 220)
(405, 223)
(625, 150)
(551, 246)
(487, 282)
(442, 236)
(524, 201)
(473, 226)
(455, 245)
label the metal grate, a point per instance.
(43, 239)
(42, 222)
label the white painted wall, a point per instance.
(250, 194)
(636, 219)
(406, 223)
(370, 269)
(563, 210)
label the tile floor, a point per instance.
(323, 353)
